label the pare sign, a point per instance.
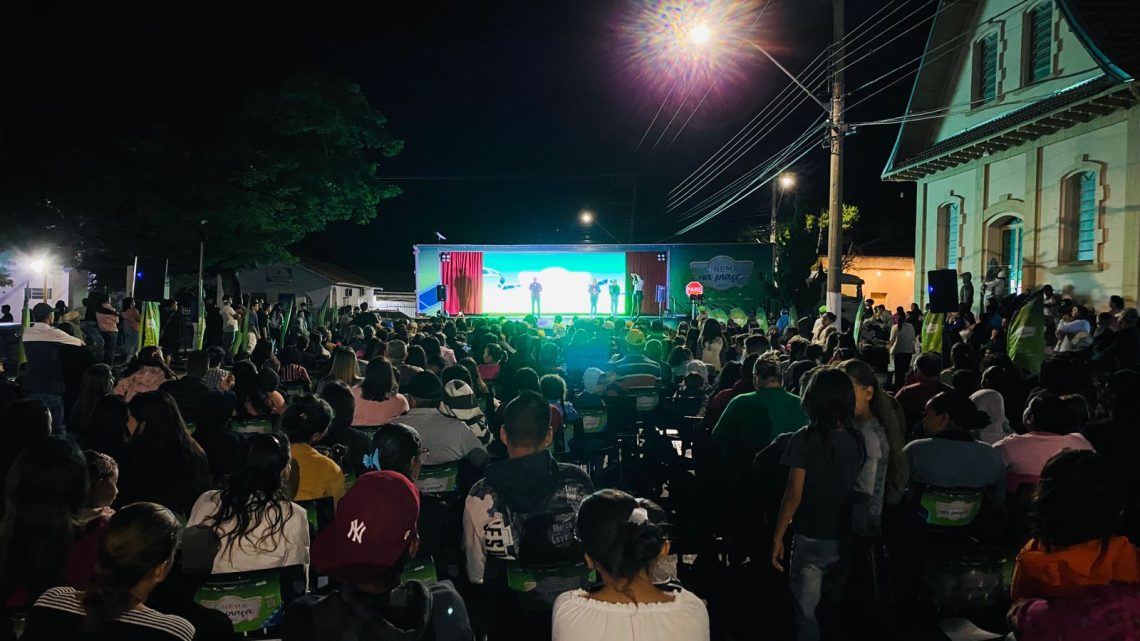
(695, 288)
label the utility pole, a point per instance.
(835, 204)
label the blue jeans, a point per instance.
(818, 573)
(54, 403)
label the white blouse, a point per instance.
(290, 547)
(580, 618)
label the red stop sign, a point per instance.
(694, 288)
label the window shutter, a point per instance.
(1040, 50)
(952, 236)
(987, 54)
(1086, 216)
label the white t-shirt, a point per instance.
(229, 316)
(579, 618)
(290, 547)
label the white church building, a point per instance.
(1023, 136)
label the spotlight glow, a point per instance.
(688, 43)
(787, 181)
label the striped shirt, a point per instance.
(59, 614)
(637, 372)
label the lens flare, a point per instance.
(688, 43)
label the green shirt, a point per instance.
(753, 420)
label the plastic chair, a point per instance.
(320, 512)
(259, 425)
(254, 601)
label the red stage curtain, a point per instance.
(462, 273)
(653, 271)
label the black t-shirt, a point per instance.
(414, 611)
(829, 486)
(58, 614)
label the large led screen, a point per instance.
(565, 278)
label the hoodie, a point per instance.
(412, 612)
(1068, 571)
(524, 510)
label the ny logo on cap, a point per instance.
(356, 530)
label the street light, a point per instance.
(587, 218)
(701, 34)
(787, 181)
(41, 265)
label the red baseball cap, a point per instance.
(375, 522)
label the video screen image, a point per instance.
(565, 278)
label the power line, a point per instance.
(647, 129)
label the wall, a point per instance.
(892, 275)
(295, 279)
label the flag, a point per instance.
(1026, 342)
(860, 310)
(932, 332)
(288, 318)
(762, 319)
(322, 314)
(200, 329)
(26, 322)
(151, 324)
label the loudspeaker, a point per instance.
(150, 279)
(942, 285)
(441, 293)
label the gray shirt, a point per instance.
(447, 438)
(950, 462)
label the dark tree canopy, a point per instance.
(287, 162)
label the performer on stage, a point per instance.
(638, 294)
(615, 293)
(595, 290)
(536, 297)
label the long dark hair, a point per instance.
(1079, 497)
(161, 453)
(139, 538)
(710, 331)
(829, 402)
(254, 495)
(379, 380)
(881, 406)
(46, 488)
(477, 382)
(622, 544)
(98, 381)
(107, 428)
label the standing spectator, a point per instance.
(146, 374)
(161, 462)
(365, 550)
(171, 330)
(108, 321)
(256, 525)
(712, 344)
(913, 398)
(135, 555)
(305, 422)
(229, 324)
(824, 460)
(879, 420)
(42, 378)
(902, 346)
(624, 539)
(6, 314)
(752, 420)
(131, 326)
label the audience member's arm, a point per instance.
(722, 432)
(474, 547)
(793, 495)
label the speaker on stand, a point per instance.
(942, 285)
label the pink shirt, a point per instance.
(132, 318)
(373, 413)
(147, 379)
(1025, 455)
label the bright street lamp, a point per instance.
(586, 217)
(41, 265)
(701, 34)
(787, 181)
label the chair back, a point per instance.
(540, 586)
(320, 512)
(592, 422)
(254, 600)
(943, 507)
(259, 425)
(435, 479)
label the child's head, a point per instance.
(623, 537)
(307, 419)
(492, 354)
(553, 388)
(102, 479)
(1079, 497)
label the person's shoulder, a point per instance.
(570, 473)
(65, 598)
(917, 445)
(169, 624)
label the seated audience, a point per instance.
(913, 397)
(949, 457)
(623, 543)
(102, 487)
(215, 376)
(145, 374)
(135, 555)
(305, 422)
(993, 404)
(355, 442)
(397, 447)
(199, 403)
(364, 551)
(97, 382)
(257, 527)
(1050, 431)
(447, 438)
(377, 401)
(161, 463)
(41, 545)
(108, 430)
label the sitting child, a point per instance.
(102, 486)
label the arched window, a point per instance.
(949, 224)
(985, 69)
(1079, 217)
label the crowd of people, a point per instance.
(578, 478)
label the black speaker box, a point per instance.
(150, 279)
(942, 285)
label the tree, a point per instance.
(796, 255)
(820, 221)
(288, 162)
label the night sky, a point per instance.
(515, 115)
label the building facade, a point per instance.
(1023, 136)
